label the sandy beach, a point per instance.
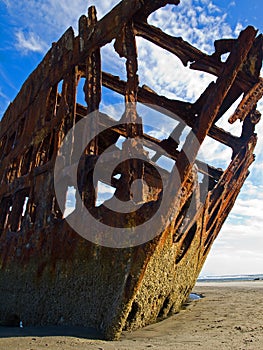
(228, 317)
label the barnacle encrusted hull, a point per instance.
(49, 273)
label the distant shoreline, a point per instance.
(231, 278)
(237, 283)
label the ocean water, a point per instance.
(230, 278)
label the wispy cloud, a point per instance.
(46, 19)
(6, 80)
(4, 102)
(232, 4)
(30, 42)
(3, 95)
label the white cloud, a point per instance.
(194, 23)
(238, 28)
(104, 192)
(238, 249)
(213, 8)
(233, 261)
(30, 42)
(215, 153)
(166, 75)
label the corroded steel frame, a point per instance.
(116, 289)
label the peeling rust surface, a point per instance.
(48, 273)
(248, 102)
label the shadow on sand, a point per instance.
(50, 331)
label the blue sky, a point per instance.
(28, 28)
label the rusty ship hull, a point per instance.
(49, 274)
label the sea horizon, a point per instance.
(230, 278)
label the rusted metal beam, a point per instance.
(248, 102)
(177, 46)
(187, 53)
(153, 5)
(217, 94)
(184, 110)
(41, 249)
(225, 81)
(168, 146)
(111, 24)
(172, 108)
(92, 86)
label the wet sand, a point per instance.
(228, 317)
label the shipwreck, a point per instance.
(58, 270)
